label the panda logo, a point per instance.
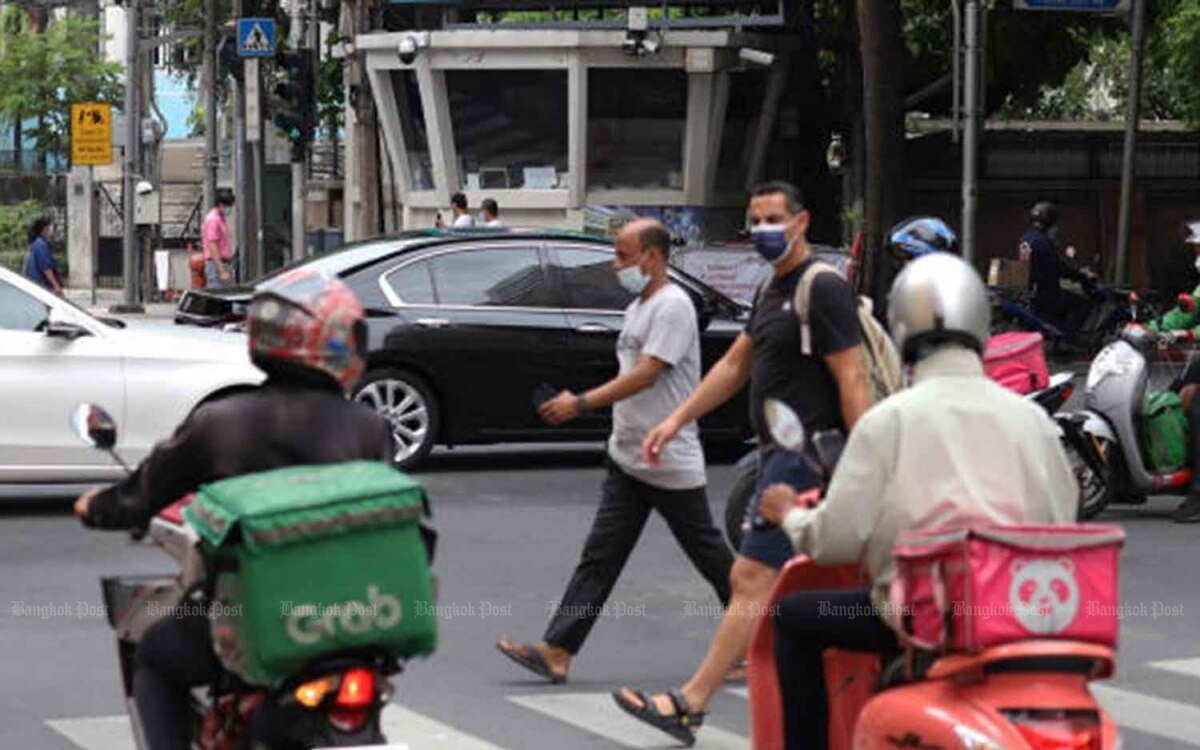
(1044, 595)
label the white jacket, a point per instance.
(955, 448)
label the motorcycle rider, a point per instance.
(307, 334)
(1183, 323)
(954, 448)
(919, 236)
(1047, 268)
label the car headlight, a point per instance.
(972, 740)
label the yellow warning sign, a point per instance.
(91, 134)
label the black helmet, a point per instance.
(1044, 213)
(912, 238)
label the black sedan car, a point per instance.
(465, 328)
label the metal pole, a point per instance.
(971, 132)
(956, 67)
(240, 231)
(296, 39)
(211, 159)
(131, 296)
(1132, 112)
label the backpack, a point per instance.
(880, 358)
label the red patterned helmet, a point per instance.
(303, 319)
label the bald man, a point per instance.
(659, 355)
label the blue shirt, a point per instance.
(40, 260)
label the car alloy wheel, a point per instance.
(406, 409)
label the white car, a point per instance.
(53, 356)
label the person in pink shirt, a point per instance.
(219, 263)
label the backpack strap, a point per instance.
(800, 303)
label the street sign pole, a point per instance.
(1132, 113)
(131, 299)
(970, 188)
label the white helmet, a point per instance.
(937, 298)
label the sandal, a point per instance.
(681, 725)
(533, 661)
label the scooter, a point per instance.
(1051, 398)
(1103, 439)
(334, 702)
(1111, 309)
(1026, 695)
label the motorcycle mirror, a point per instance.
(94, 426)
(783, 424)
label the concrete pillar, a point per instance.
(83, 227)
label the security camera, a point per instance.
(144, 188)
(407, 50)
(756, 56)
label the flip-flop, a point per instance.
(533, 661)
(681, 725)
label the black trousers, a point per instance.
(174, 655)
(1191, 376)
(625, 505)
(806, 624)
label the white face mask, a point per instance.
(633, 278)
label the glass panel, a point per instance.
(493, 277)
(412, 284)
(510, 128)
(746, 91)
(636, 120)
(20, 311)
(587, 280)
(412, 122)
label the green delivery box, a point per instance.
(312, 560)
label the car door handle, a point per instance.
(433, 322)
(593, 328)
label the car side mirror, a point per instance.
(94, 426)
(59, 327)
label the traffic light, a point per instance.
(295, 100)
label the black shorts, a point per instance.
(771, 545)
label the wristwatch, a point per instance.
(582, 403)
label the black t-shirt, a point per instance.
(780, 370)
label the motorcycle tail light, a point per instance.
(357, 690)
(349, 719)
(1058, 730)
(311, 694)
(1068, 391)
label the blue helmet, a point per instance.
(912, 238)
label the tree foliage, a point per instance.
(43, 73)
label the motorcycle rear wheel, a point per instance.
(1095, 487)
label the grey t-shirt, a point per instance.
(663, 327)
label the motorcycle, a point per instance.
(1051, 398)
(1112, 308)
(1103, 439)
(1025, 695)
(335, 701)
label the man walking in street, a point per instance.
(816, 369)
(219, 264)
(40, 267)
(491, 213)
(462, 217)
(659, 356)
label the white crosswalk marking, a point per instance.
(598, 714)
(407, 729)
(422, 733)
(1145, 713)
(1185, 667)
(96, 732)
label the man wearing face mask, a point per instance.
(818, 370)
(1047, 268)
(659, 356)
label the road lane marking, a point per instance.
(1145, 713)
(598, 714)
(1186, 667)
(741, 692)
(96, 732)
(408, 729)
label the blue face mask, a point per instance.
(771, 242)
(633, 278)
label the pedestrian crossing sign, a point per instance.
(256, 37)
